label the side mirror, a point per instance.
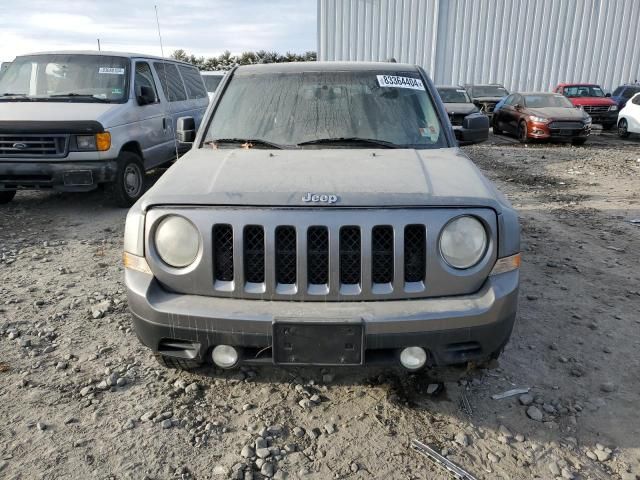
(475, 129)
(145, 95)
(186, 129)
(607, 94)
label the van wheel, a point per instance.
(623, 128)
(6, 196)
(128, 185)
(177, 363)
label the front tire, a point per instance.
(523, 136)
(623, 128)
(608, 126)
(128, 185)
(6, 196)
(496, 129)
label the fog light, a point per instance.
(413, 358)
(225, 356)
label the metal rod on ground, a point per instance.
(443, 462)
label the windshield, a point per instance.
(489, 91)
(583, 91)
(77, 78)
(454, 95)
(211, 82)
(630, 92)
(293, 108)
(541, 101)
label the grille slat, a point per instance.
(254, 254)
(350, 255)
(415, 253)
(286, 255)
(223, 253)
(317, 255)
(382, 254)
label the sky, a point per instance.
(200, 27)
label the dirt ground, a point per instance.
(81, 398)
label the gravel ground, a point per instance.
(80, 397)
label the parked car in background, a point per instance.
(212, 80)
(486, 96)
(459, 106)
(592, 99)
(623, 93)
(74, 120)
(629, 117)
(542, 116)
(324, 216)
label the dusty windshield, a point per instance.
(328, 108)
(542, 101)
(489, 91)
(454, 95)
(577, 91)
(66, 77)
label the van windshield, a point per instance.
(328, 108)
(66, 77)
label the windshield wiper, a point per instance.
(248, 141)
(78, 95)
(367, 141)
(17, 95)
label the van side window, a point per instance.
(193, 82)
(171, 82)
(144, 78)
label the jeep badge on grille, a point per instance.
(320, 198)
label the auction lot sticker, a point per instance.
(111, 70)
(400, 82)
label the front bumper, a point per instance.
(453, 330)
(541, 131)
(605, 118)
(68, 176)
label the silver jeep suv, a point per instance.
(324, 216)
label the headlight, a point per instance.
(177, 241)
(539, 119)
(613, 108)
(587, 120)
(463, 242)
(100, 142)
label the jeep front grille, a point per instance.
(21, 146)
(595, 109)
(322, 254)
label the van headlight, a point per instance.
(463, 242)
(177, 241)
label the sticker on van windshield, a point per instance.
(400, 82)
(111, 70)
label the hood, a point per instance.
(105, 113)
(592, 101)
(558, 113)
(358, 177)
(465, 108)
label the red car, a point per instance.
(592, 99)
(542, 116)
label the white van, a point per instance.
(73, 120)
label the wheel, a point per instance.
(6, 196)
(522, 133)
(496, 130)
(608, 126)
(128, 185)
(578, 141)
(623, 128)
(177, 363)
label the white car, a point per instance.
(629, 117)
(211, 81)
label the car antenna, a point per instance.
(166, 81)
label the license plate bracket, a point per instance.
(318, 343)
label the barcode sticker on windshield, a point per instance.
(400, 82)
(111, 70)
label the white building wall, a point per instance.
(524, 44)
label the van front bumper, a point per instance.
(453, 330)
(68, 176)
